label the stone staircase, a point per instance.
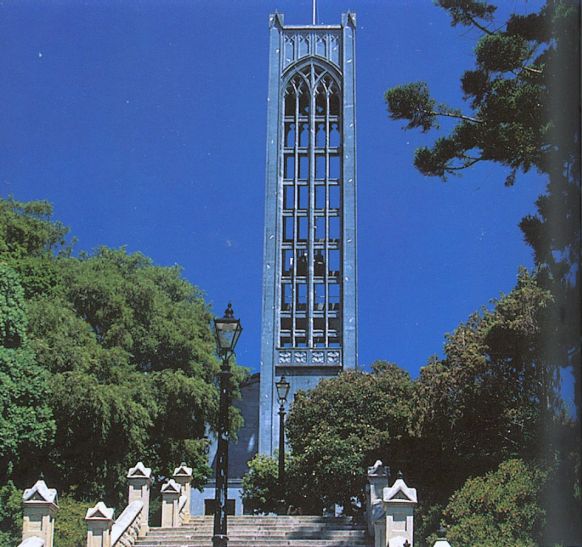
(263, 531)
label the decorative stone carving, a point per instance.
(299, 44)
(301, 357)
(333, 357)
(99, 521)
(284, 357)
(140, 483)
(318, 357)
(40, 508)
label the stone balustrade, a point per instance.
(40, 507)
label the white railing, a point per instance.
(125, 530)
(182, 513)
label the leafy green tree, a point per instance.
(10, 515)
(260, 485)
(502, 507)
(130, 353)
(26, 421)
(127, 354)
(26, 229)
(70, 526)
(343, 425)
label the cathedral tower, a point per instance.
(309, 325)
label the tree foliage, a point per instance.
(521, 111)
(259, 484)
(70, 526)
(10, 515)
(125, 354)
(487, 400)
(484, 403)
(343, 425)
(26, 420)
(518, 69)
(502, 507)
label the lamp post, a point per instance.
(282, 391)
(227, 331)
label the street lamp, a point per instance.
(282, 391)
(227, 331)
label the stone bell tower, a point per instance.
(309, 326)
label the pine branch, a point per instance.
(464, 166)
(480, 27)
(451, 115)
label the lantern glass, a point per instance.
(282, 390)
(227, 331)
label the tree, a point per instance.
(130, 353)
(521, 112)
(26, 421)
(502, 507)
(26, 229)
(519, 69)
(70, 525)
(126, 352)
(488, 399)
(342, 426)
(260, 483)
(10, 515)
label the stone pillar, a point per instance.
(140, 483)
(442, 538)
(171, 492)
(399, 501)
(183, 476)
(99, 521)
(377, 480)
(40, 508)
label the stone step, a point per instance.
(263, 531)
(273, 518)
(249, 526)
(253, 536)
(260, 543)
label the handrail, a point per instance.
(181, 508)
(33, 541)
(127, 524)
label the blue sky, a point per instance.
(144, 123)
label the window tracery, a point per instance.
(311, 277)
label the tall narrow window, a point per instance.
(312, 170)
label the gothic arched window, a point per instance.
(312, 178)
